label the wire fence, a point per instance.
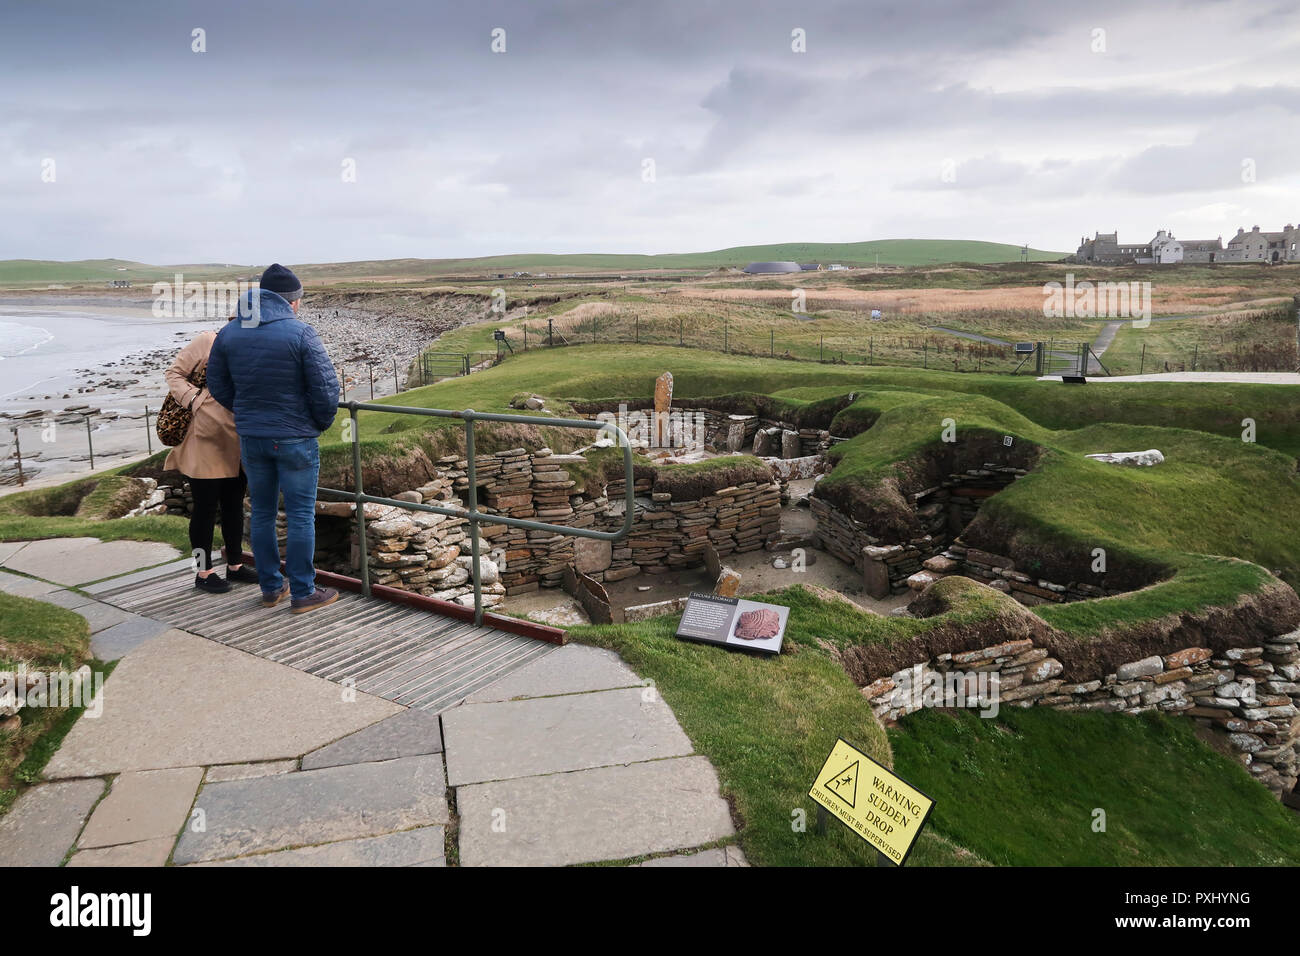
(29, 445)
(22, 458)
(938, 351)
(925, 351)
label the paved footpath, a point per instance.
(205, 755)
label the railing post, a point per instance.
(472, 500)
(363, 552)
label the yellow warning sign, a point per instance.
(871, 801)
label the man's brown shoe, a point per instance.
(318, 598)
(271, 599)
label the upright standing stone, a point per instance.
(663, 402)
(789, 443)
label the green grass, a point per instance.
(45, 638)
(75, 509)
(1214, 495)
(1022, 789)
(902, 252)
(36, 272)
(1016, 790)
(1262, 339)
(767, 724)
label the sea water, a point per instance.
(41, 351)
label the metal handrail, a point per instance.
(473, 515)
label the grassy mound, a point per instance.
(1016, 790)
(45, 638)
(1024, 790)
(767, 724)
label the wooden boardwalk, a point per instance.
(412, 657)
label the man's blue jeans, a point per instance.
(292, 467)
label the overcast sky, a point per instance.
(614, 126)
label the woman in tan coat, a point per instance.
(209, 458)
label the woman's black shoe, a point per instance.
(243, 574)
(213, 583)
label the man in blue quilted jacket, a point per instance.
(271, 370)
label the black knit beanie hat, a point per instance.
(281, 281)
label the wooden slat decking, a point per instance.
(402, 654)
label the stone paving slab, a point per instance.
(609, 813)
(100, 615)
(144, 853)
(217, 706)
(145, 575)
(143, 805)
(423, 846)
(25, 587)
(411, 734)
(43, 823)
(572, 669)
(718, 856)
(81, 560)
(555, 734)
(69, 599)
(9, 548)
(316, 806)
(117, 640)
(247, 771)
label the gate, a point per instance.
(436, 365)
(1069, 358)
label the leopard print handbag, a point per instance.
(174, 418)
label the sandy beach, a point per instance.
(67, 360)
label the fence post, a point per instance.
(871, 349)
(821, 347)
(1195, 348)
(18, 453)
(925, 354)
(363, 552)
(396, 387)
(148, 438)
(372, 381)
(771, 343)
(525, 336)
(636, 329)
(90, 444)
(472, 500)
(1143, 360)
(550, 331)
(726, 330)
(343, 377)
(680, 335)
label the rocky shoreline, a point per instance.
(387, 333)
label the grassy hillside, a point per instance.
(36, 272)
(1023, 790)
(899, 252)
(1018, 790)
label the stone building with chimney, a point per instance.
(1164, 249)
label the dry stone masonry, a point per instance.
(1249, 694)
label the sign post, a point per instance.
(872, 801)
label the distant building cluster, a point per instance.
(1253, 246)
